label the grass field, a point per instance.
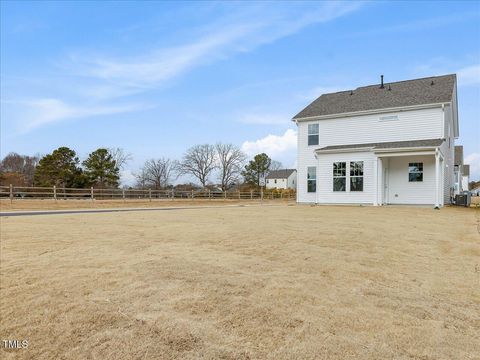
(49, 204)
(278, 282)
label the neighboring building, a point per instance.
(475, 190)
(281, 179)
(461, 171)
(388, 143)
(457, 169)
(465, 177)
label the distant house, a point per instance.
(281, 179)
(387, 143)
(461, 171)
(476, 189)
(457, 169)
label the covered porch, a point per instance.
(409, 175)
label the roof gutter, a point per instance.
(417, 148)
(368, 112)
(375, 150)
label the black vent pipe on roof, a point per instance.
(381, 82)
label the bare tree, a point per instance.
(120, 156)
(230, 163)
(141, 179)
(275, 165)
(157, 173)
(22, 165)
(199, 161)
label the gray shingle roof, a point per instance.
(388, 145)
(372, 97)
(280, 174)
(466, 170)
(458, 155)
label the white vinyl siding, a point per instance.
(305, 158)
(448, 153)
(325, 192)
(401, 190)
(411, 125)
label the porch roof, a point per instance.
(429, 143)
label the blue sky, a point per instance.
(156, 77)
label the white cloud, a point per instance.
(474, 161)
(242, 33)
(273, 145)
(469, 75)
(466, 75)
(421, 25)
(37, 113)
(127, 177)
(98, 77)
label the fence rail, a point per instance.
(57, 193)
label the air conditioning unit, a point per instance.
(463, 199)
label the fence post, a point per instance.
(209, 194)
(91, 192)
(192, 195)
(123, 195)
(11, 192)
(281, 195)
(251, 194)
(173, 194)
(150, 194)
(261, 194)
(55, 192)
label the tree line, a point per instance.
(222, 165)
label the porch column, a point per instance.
(381, 186)
(437, 180)
(375, 181)
(442, 183)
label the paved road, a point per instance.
(95, 211)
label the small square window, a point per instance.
(415, 172)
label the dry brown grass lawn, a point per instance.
(49, 204)
(249, 282)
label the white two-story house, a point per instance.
(389, 143)
(281, 179)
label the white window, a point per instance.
(313, 134)
(415, 172)
(339, 176)
(356, 176)
(312, 179)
